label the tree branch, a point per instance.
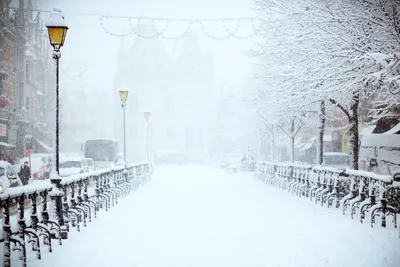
(284, 131)
(269, 125)
(345, 111)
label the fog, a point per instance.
(190, 120)
(186, 82)
(250, 77)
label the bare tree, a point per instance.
(340, 51)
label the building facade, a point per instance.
(26, 79)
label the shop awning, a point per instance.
(4, 144)
(43, 144)
(394, 130)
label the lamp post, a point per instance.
(147, 115)
(57, 29)
(149, 124)
(123, 95)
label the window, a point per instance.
(27, 103)
(21, 97)
(32, 73)
(27, 70)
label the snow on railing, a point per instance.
(371, 175)
(26, 189)
(360, 191)
(326, 169)
(48, 210)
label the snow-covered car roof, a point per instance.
(66, 159)
(4, 164)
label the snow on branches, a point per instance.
(341, 51)
(388, 74)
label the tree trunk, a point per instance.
(273, 145)
(292, 137)
(292, 149)
(320, 148)
(353, 131)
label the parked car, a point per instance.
(380, 153)
(8, 177)
(71, 166)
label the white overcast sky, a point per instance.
(88, 43)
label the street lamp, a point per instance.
(147, 115)
(123, 95)
(57, 29)
(149, 124)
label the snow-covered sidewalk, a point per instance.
(194, 216)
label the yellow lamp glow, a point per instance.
(147, 115)
(123, 95)
(57, 29)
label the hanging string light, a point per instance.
(230, 34)
(133, 29)
(188, 28)
(157, 33)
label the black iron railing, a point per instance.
(31, 217)
(363, 194)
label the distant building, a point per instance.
(177, 87)
(192, 96)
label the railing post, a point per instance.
(6, 233)
(56, 196)
(64, 205)
(21, 227)
(125, 174)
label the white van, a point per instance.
(380, 153)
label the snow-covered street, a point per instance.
(198, 216)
